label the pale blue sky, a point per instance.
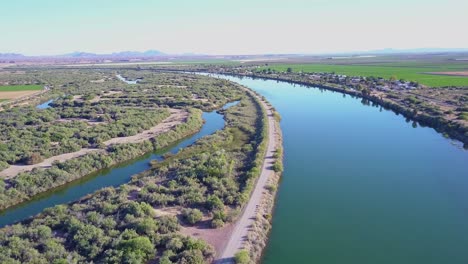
(35, 27)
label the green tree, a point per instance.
(192, 216)
(139, 247)
(214, 203)
(242, 257)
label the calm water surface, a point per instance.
(44, 105)
(362, 185)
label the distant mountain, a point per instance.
(11, 55)
(418, 50)
(148, 53)
(122, 54)
(78, 54)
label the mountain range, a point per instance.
(81, 54)
(157, 53)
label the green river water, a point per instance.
(363, 185)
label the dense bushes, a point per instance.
(104, 228)
(211, 177)
(113, 226)
(25, 185)
(86, 113)
(30, 135)
(215, 175)
(30, 141)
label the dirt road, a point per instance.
(245, 221)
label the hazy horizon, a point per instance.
(209, 27)
(380, 52)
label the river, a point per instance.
(362, 184)
(114, 176)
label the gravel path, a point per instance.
(246, 220)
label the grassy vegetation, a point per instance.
(15, 88)
(91, 114)
(121, 225)
(407, 71)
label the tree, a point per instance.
(191, 257)
(137, 247)
(214, 203)
(192, 216)
(175, 244)
(88, 240)
(289, 70)
(217, 223)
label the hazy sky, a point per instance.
(38, 27)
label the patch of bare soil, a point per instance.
(98, 98)
(14, 170)
(89, 122)
(173, 211)
(196, 98)
(177, 116)
(16, 94)
(112, 93)
(453, 73)
(217, 237)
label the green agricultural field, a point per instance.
(15, 88)
(407, 71)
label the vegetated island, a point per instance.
(179, 211)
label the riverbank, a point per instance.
(250, 225)
(400, 103)
(258, 235)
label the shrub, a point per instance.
(271, 188)
(192, 216)
(217, 223)
(242, 257)
(278, 167)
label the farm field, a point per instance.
(17, 91)
(416, 71)
(15, 88)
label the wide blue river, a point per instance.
(363, 185)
